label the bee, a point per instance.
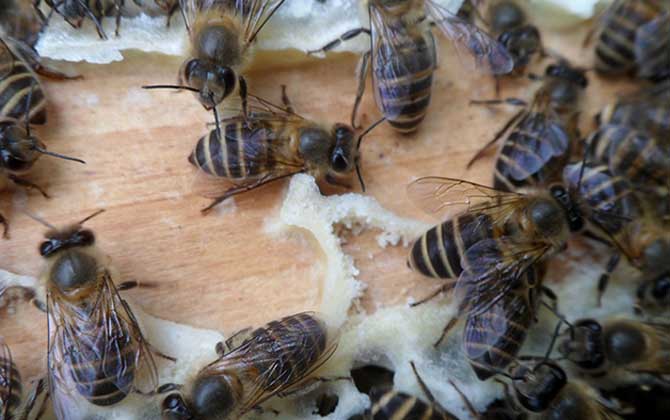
(630, 34)
(272, 143)
(276, 359)
(96, 347)
(623, 344)
(646, 110)
(394, 405)
(74, 12)
(20, 92)
(492, 238)
(543, 391)
(403, 57)
(222, 35)
(10, 384)
(540, 137)
(20, 21)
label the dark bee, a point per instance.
(626, 344)
(280, 357)
(75, 12)
(403, 56)
(272, 143)
(96, 347)
(541, 136)
(21, 95)
(542, 390)
(394, 405)
(630, 35)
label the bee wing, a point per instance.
(7, 59)
(652, 40)
(191, 8)
(491, 269)
(490, 56)
(529, 152)
(110, 331)
(6, 376)
(256, 13)
(450, 196)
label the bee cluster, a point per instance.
(491, 252)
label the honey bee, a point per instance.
(394, 405)
(646, 110)
(630, 35)
(20, 91)
(540, 137)
(543, 391)
(272, 143)
(222, 35)
(403, 56)
(626, 344)
(279, 358)
(74, 12)
(492, 238)
(10, 384)
(20, 21)
(96, 347)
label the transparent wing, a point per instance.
(538, 138)
(7, 59)
(191, 8)
(255, 14)
(6, 377)
(450, 196)
(652, 42)
(491, 269)
(490, 56)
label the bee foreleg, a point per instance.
(497, 137)
(362, 72)
(5, 226)
(612, 264)
(444, 288)
(27, 184)
(351, 34)
(118, 5)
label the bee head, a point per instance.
(18, 150)
(74, 236)
(216, 396)
(585, 348)
(212, 82)
(343, 156)
(564, 71)
(174, 407)
(538, 386)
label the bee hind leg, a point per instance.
(29, 185)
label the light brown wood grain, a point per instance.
(224, 271)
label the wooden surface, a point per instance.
(223, 271)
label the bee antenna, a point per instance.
(178, 87)
(367, 131)
(87, 218)
(58, 155)
(217, 120)
(360, 176)
(39, 220)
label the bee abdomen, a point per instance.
(244, 152)
(615, 50)
(394, 405)
(439, 251)
(10, 389)
(403, 80)
(14, 91)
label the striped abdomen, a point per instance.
(244, 153)
(439, 251)
(615, 49)
(294, 344)
(652, 116)
(534, 153)
(403, 77)
(101, 378)
(10, 387)
(15, 87)
(492, 339)
(631, 153)
(393, 405)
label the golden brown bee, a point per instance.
(543, 391)
(96, 347)
(403, 56)
(272, 143)
(626, 344)
(279, 358)
(20, 91)
(630, 35)
(222, 34)
(540, 137)
(394, 405)
(647, 110)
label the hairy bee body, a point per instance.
(10, 384)
(17, 83)
(615, 50)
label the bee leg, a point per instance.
(285, 100)
(362, 72)
(519, 115)
(118, 5)
(33, 60)
(27, 184)
(40, 305)
(452, 322)
(5, 226)
(39, 389)
(351, 34)
(171, 12)
(605, 277)
(260, 410)
(508, 395)
(131, 284)
(442, 289)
